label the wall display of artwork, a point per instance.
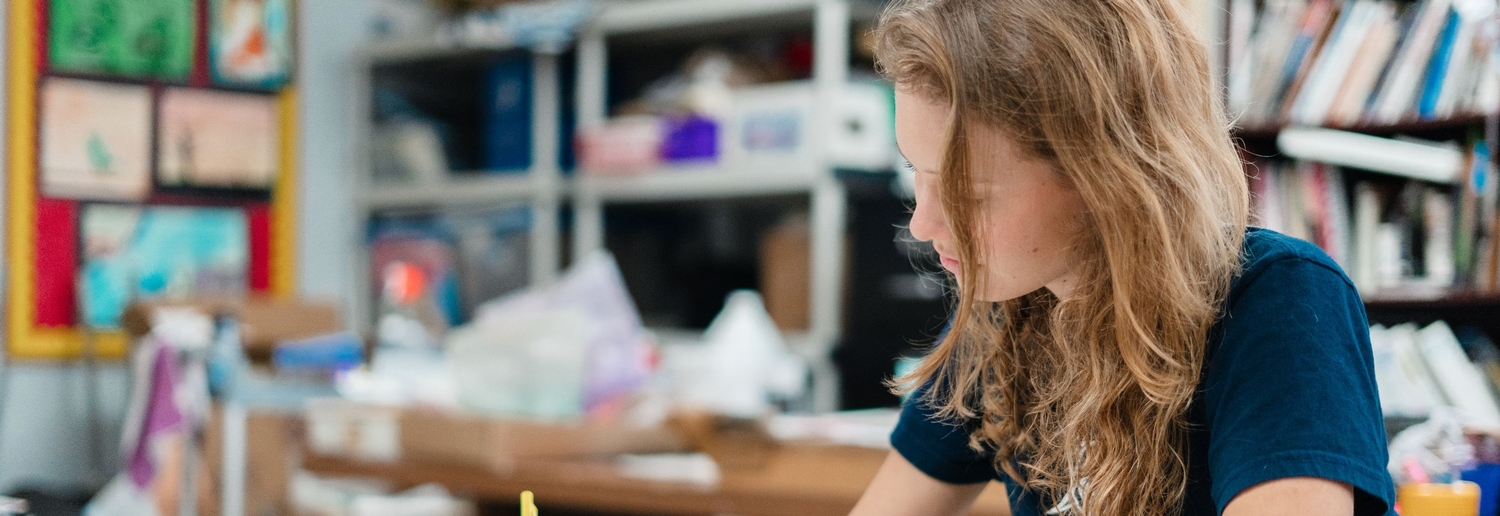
(112, 100)
(138, 252)
(250, 42)
(96, 140)
(129, 38)
(217, 139)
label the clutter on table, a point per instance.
(312, 496)
(187, 355)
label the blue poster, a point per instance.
(152, 252)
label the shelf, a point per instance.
(483, 187)
(669, 15)
(691, 183)
(1456, 123)
(410, 51)
(1446, 301)
(652, 15)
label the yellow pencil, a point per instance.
(528, 504)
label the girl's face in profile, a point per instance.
(1027, 212)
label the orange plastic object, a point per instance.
(1457, 499)
(404, 283)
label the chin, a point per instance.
(1002, 293)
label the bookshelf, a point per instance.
(1451, 127)
(1422, 214)
(1452, 300)
(1386, 68)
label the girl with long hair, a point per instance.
(1121, 343)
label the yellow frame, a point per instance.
(24, 340)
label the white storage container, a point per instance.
(772, 128)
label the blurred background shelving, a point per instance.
(607, 72)
(452, 168)
(1391, 69)
(1393, 79)
(482, 129)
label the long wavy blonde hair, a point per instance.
(1082, 399)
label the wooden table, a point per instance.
(806, 481)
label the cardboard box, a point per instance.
(429, 435)
(785, 261)
(264, 321)
(274, 452)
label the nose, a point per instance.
(927, 220)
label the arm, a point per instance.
(1301, 495)
(900, 489)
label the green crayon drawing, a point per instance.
(130, 38)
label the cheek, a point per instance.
(1029, 232)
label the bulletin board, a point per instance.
(94, 209)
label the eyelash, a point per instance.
(906, 166)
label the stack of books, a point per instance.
(1396, 235)
(1419, 369)
(1361, 62)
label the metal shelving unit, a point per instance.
(541, 187)
(465, 189)
(697, 182)
(544, 187)
(830, 20)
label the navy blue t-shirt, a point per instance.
(1288, 390)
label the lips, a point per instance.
(950, 264)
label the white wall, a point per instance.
(43, 414)
(332, 35)
(44, 435)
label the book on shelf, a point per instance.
(1406, 385)
(1393, 235)
(1361, 62)
(1420, 369)
(1407, 157)
(1461, 381)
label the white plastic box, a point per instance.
(772, 128)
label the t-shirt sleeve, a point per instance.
(939, 448)
(1290, 390)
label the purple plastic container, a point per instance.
(690, 138)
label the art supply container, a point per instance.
(1456, 499)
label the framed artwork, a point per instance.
(215, 139)
(130, 38)
(250, 42)
(96, 140)
(143, 252)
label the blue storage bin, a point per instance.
(1488, 478)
